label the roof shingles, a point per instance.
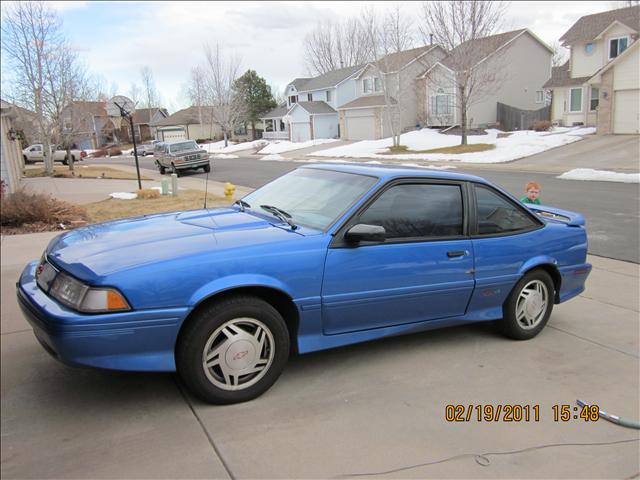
(590, 26)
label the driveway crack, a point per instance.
(204, 429)
(594, 342)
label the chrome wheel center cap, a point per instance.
(534, 304)
(241, 354)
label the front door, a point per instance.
(423, 271)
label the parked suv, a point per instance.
(180, 155)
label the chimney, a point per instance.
(431, 39)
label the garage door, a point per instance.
(171, 135)
(626, 115)
(300, 132)
(360, 128)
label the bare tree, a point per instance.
(560, 54)
(457, 26)
(197, 89)
(333, 45)
(135, 93)
(398, 30)
(150, 95)
(31, 34)
(221, 73)
(278, 94)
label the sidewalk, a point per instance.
(367, 408)
(87, 190)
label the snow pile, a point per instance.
(124, 195)
(589, 174)
(517, 145)
(282, 146)
(273, 156)
(224, 155)
(212, 147)
(429, 167)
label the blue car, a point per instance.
(325, 256)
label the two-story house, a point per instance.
(599, 85)
(509, 68)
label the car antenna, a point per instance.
(206, 186)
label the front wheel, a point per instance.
(529, 306)
(206, 168)
(233, 350)
(161, 169)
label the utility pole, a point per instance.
(129, 118)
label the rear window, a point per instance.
(183, 147)
(498, 215)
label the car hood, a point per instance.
(102, 249)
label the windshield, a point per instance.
(183, 147)
(313, 198)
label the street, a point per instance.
(610, 209)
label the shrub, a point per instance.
(148, 193)
(35, 212)
(541, 126)
(203, 140)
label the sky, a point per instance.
(116, 39)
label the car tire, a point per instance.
(175, 170)
(206, 168)
(226, 338)
(162, 169)
(529, 306)
(65, 160)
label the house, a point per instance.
(144, 118)
(509, 68)
(10, 148)
(25, 124)
(599, 85)
(348, 103)
(193, 123)
(91, 126)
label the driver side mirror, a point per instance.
(366, 233)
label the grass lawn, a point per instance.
(113, 209)
(83, 171)
(469, 148)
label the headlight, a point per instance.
(81, 297)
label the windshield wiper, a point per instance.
(281, 214)
(242, 204)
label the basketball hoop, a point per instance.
(120, 106)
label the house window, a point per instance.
(617, 46)
(329, 99)
(293, 99)
(594, 101)
(576, 100)
(366, 85)
(441, 103)
(377, 84)
(309, 97)
(539, 96)
(588, 48)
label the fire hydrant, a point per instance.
(229, 190)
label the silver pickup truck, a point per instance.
(181, 155)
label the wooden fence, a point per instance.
(511, 118)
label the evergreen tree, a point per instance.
(254, 98)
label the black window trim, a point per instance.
(339, 241)
(538, 224)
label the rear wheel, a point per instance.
(233, 350)
(529, 306)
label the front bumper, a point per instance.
(193, 164)
(141, 340)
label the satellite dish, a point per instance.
(114, 106)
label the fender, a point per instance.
(237, 281)
(536, 261)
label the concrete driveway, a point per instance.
(365, 409)
(619, 153)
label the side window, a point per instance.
(497, 214)
(418, 210)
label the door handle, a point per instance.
(456, 253)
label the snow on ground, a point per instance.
(274, 156)
(211, 147)
(517, 145)
(589, 174)
(218, 147)
(430, 167)
(124, 195)
(282, 146)
(224, 155)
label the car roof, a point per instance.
(389, 171)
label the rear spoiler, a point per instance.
(570, 218)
